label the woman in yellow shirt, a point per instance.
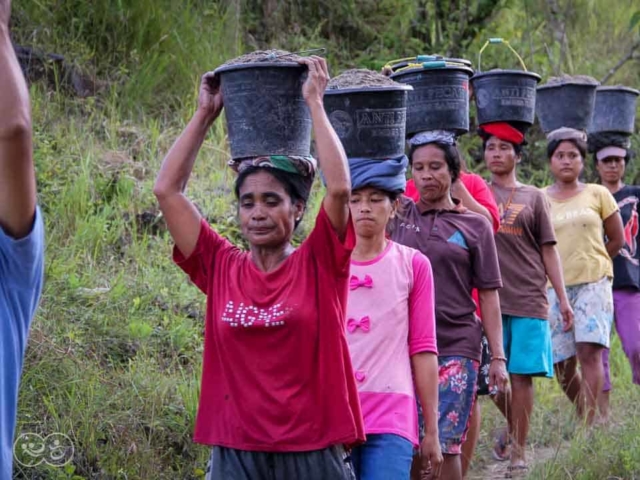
(582, 214)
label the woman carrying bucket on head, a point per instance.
(609, 141)
(390, 312)
(462, 252)
(528, 256)
(431, 76)
(274, 334)
(526, 251)
(582, 215)
(434, 78)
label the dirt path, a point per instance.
(494, 470)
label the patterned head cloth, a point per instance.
(564, 133)
(432, 136)
(306, 167)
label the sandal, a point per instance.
(502, 447)
(517, 471)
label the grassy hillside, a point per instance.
(115, 351)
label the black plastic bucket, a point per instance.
(371, 122)
(615, 110)
(265, 111)
(439, 100)
(505, 96)
(565, 105)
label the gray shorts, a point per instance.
(230, 464)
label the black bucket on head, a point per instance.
(615, 110)
(566, 104)
(371, 122)
(265, 111)
(505, 96)
(439, 100)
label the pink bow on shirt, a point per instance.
(364, 324)
(355, 282)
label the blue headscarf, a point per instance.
(388, 175)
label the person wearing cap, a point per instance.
(527, 254)
(611, 156)
(390, 330)
(583, 215)
(278, 398)
(462, 252)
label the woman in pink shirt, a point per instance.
(391, 333)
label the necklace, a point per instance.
(506, 207)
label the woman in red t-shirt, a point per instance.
(278, 395)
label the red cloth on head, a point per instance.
(504, 131)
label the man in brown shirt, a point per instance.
(527, 256)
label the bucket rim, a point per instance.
(463, 61)
(389, 88)
(618, 89)
(591, 86)
(245, 66)
(461, 68)
(499, 73)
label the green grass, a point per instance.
(570, 451)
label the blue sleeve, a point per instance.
(22, 268)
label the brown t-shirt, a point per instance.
(462, 251)
(525, 225)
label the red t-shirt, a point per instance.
(277, 372)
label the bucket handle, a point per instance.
(426, 62)
(495, 41)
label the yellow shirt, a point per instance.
(578, 223)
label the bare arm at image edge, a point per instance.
(17, 173)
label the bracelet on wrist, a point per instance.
(498, 358)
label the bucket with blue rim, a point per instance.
(440, 95)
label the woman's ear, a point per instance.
(394, 207)
(298, 210)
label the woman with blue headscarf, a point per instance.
(390, 329)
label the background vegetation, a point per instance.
(115, 351)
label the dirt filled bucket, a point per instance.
(615, 110)
(368, 112)
(265, 111)
(505, 95)
(440, 96)
(566, 102)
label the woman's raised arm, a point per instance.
(182, 217)
(331, 156)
